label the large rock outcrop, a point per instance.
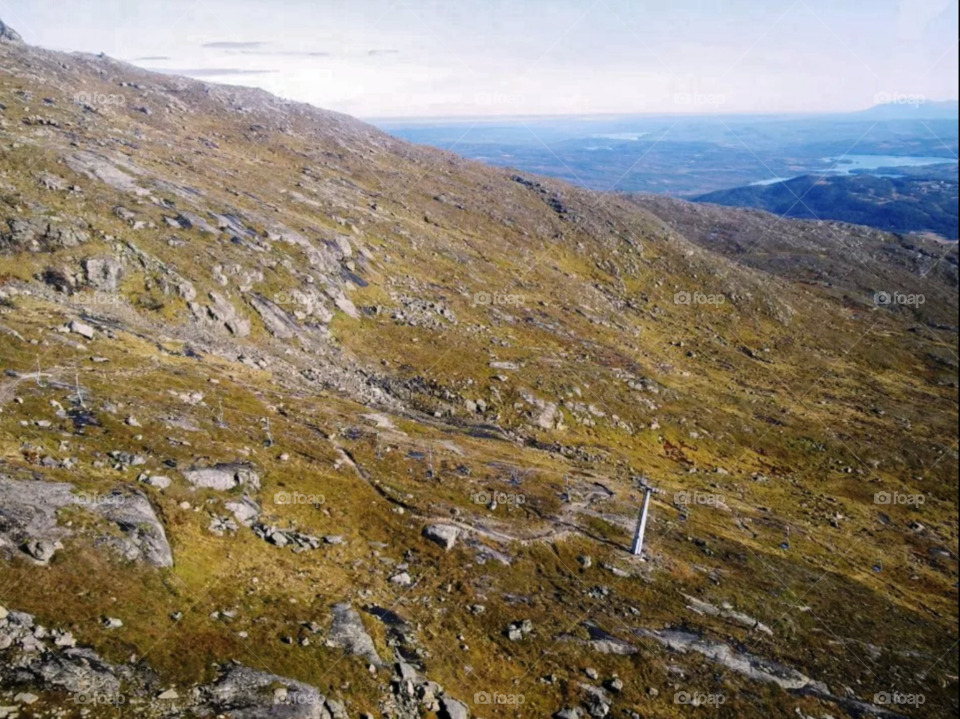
(39, 234)
(348, 633)
(29, 523)
(47, 660)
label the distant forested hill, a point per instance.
(920, 202)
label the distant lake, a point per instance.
(875, 162)
(849, 164)
(627, 136)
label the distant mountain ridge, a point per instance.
(916, 107)
(8, 34)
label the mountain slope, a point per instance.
(388, 410)
(850, 263)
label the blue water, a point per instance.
(874, 162)
(851, 163)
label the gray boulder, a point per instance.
(42, 235)
(348, 632)
(103, 273)
(77, 671)
(84, 330)
(277, 321)
(245, 693)
(443, 534)
(29, 521)
(225, 313)
(452, 709)
(28, 512)
(40, 549)
(223, 477)
(142, 535)
(246, 511)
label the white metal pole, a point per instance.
(642, 525)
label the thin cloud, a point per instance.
(234, 45)
(383, 52)
(285, 53)
(213, 72)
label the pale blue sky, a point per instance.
(392, 58)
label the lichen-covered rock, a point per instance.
(103, 273)
(42, 235)
(28, 512)
(246, 511)
(246, 693)
(223, 477)
(142, 536)
(29, 521)
(348, 632)
(222, 313)
(442, 534)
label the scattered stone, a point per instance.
(246, 511)
(444, 535)
(615, 685)
(159, 482)
(519, 630)
(79, 328)
(452, 709)
(41, 550)
(222, 526)
(299, 541)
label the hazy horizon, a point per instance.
(423, 59)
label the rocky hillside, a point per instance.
(849, 263)
(301, 421)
